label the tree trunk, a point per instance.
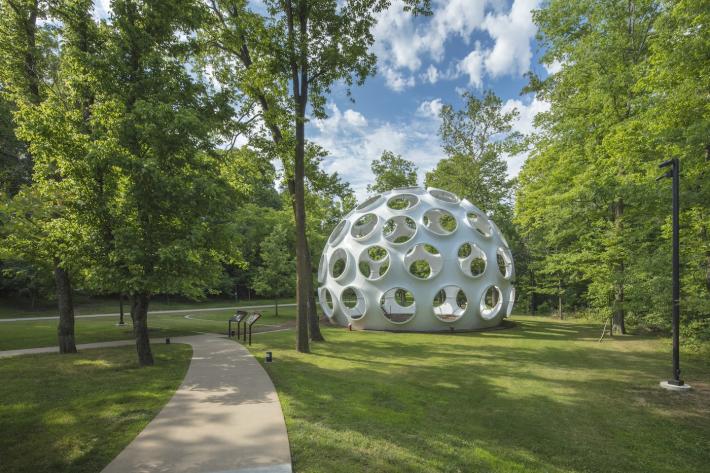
(276, 307)
(313, 322)
(302, 272)
(140, 328)
(133, 301)
(120, 308)
(559, 299)
(619, 311)
(65, 329)
(298, 61)
(533, 298)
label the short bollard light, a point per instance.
(268, 358)
(167, 340)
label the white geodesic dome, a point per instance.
(416, 260)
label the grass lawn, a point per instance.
(110, 305)
(43, 333)
(542, 397)
(75, 413)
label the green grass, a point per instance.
(109, 305)
(542, 397)
(43, 333)
(75, 413)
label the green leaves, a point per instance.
(276, 276)
(628, 95)
(476, 139)
(392, 171)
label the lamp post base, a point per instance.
(674, 387)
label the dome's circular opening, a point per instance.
(325, 297)
(439, 221)
(450, 304)
(420, 269)
(477, 267)
(338, 263)
(423, 261)
(354, 304)
(399, 229)
(402, 201)
(479, 223)
(491, 301)
(472, 260)
(364, 226)
(338, 232)
(444, 196)
(374, 262)
(398, 305)
(369, 203)
(504, 262)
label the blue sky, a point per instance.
(424, 62)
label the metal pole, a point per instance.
(676, 274)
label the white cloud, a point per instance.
(401, 40)
(354, 144)
(432, 74)
(338, 120)
(354, 118)
(396, 81)
(472, 65)
(524, 123)
(553, 68)
(102, 9)
(511, 33)
(526, 113)
(430, 108)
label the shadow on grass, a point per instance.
(544, 397)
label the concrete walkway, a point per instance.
(224, 418)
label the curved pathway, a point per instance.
(224, 418)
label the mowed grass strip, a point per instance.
(43, 333)
(75, 413)
(542, 397)
(13, 308)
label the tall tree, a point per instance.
(476, 140)
(676, 123)
(585, 197)
(392, 171)
(275, 277)
(28, 73)
(306, 46)
(152, 200)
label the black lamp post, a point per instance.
(674, 174)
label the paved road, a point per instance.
(172, 311)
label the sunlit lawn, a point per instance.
(74, 413)
(33, 333)
(110, 305)
(542, 397)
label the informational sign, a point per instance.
(253, 318)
